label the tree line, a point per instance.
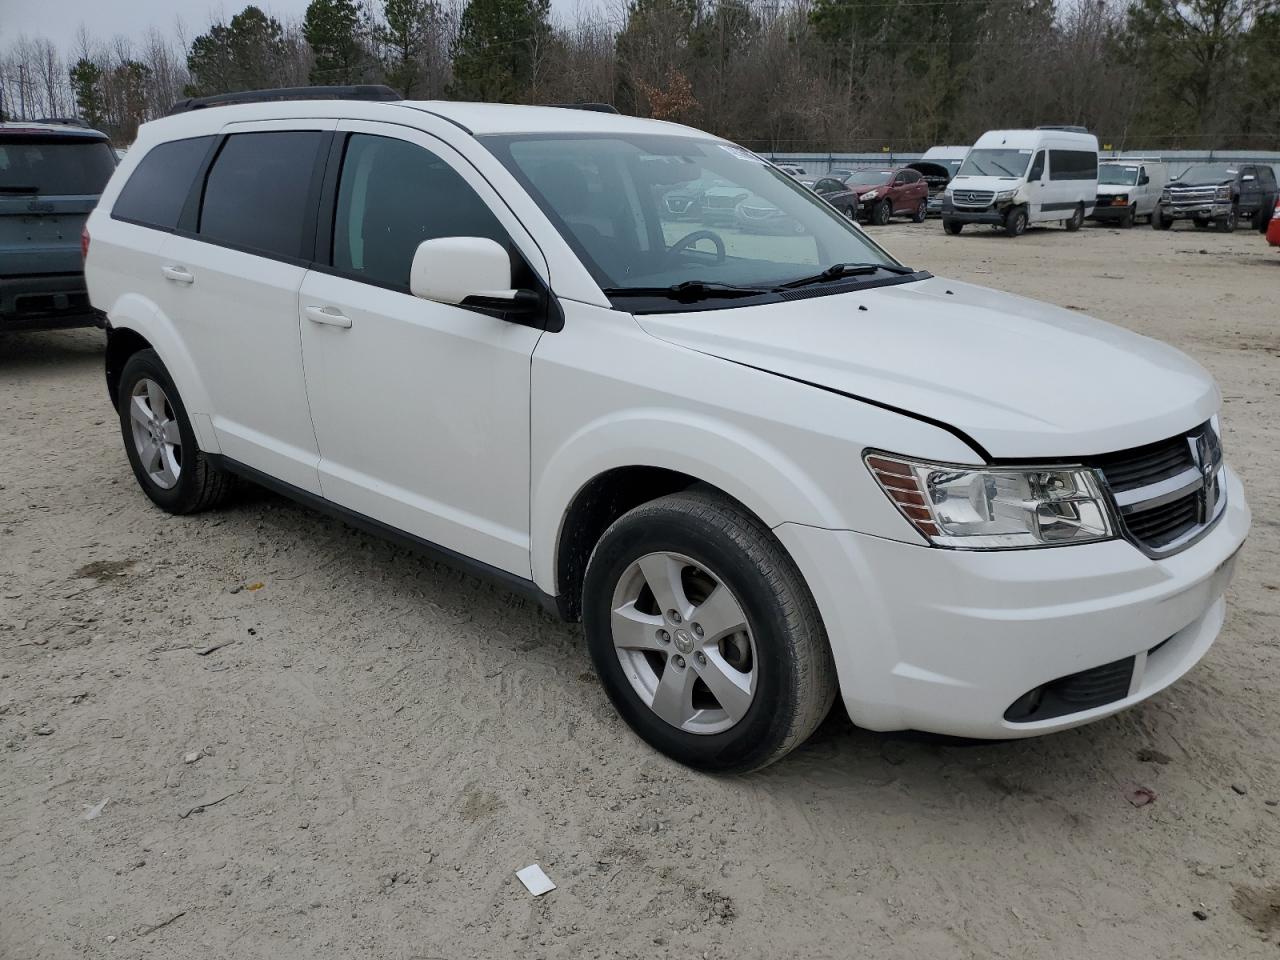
(777, 75)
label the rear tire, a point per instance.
(952, 227)
(160, 443)
(1077, 219)
(736, 679)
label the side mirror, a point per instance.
(1143, 180)
(467, 271)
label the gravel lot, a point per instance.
(384, 741)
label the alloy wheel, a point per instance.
(156, 436)
(683, 641)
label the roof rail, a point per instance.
(593, 107)
(360, 91)
(1064, 127)
(63, 121)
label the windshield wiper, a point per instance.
(688, 290)
(838, 271)
(7, 189)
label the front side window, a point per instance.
(644, 211)
(1007, 163)
(392, 196)
(256, 195)
(158, 187)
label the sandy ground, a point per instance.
(385, 741)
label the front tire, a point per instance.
(1015, 222)
(1159, 221)
(1077, 219)
(921, 213)
(881, 213)
(705, 635)
(1228, 223)
(160, 443)
(952, 227)
(1130, 217)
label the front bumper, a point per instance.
(1197, 211)
(947, 641)
(44, 301)
(1108, 212)
(993, 214)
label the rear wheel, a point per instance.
(160, 443)
(1077, 218)
(1015, 222)
(705, 635)
(881, 213)
(952, 227)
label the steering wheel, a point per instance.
(688, 240)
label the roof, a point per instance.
(1030, 138)
(51, 129)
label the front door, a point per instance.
(421, 409)
(1035, 187)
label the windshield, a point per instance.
(1117, 175)
(58, 167)
(655, 211)
(1208, 173)
(1007, 164)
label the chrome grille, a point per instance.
(972, 198)
(1189, 196)
(1169, 493)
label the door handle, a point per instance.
(177, 274)
(328, 315)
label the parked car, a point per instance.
(1014, 178)
(1128, 189)
(886, 192)
(1272, 226)
(50, 177)
(835, 192)
(792, 169)
(763, 471)
(1217, 195)
(938, 166)
(685, 201)
(758, 215)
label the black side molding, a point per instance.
(509, 581)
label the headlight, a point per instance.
(1120, 198)
(1166, 195)
(1006, 195)
(1224, 192)
(995, 508)
(870, 195)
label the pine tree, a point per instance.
(246, 54)
(500, 43)
(405, 39)
(86, 87)
(332, 29)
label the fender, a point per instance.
(131, 311)
(713, 451)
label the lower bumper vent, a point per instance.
(1074, 693)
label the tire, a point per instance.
(1159, 221)
(1077, 219)
(1015, 222)
(1228, 223)
(952, 227)
(881, 213)
(1130, 217)
(922, 211)
(179, 477)
(702, 543)
(1201, 224)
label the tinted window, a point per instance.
(256, 194)
(158, 187)
(1267, 176)
(392, 196)
(55, 166)
(1073, 165)
(909, 176)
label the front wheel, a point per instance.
(705, 635)
(1130, 217)
(1228, 223)
(1159, 221)
(952, 227)
(881, 213)
(1077, 218)
(1015, 222)
(160, 443)
(921, 212)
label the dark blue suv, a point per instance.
(50, 177)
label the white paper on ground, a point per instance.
(534, 880)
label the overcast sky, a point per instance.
(60, 19)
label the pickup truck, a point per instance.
(51, 175)
(1218, 195)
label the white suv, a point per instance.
(761, 468)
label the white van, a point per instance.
(938, 165)
(762, 470)
(1129, 188)
(1013, 178)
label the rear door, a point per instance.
(234, 284)
(49, 182)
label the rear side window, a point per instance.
(1073, 165)
(158, 188)
(53, 166)
(256, 195)
(392, 196)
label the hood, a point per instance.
(994, 184)
(1023, 379)
(1201, 182)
